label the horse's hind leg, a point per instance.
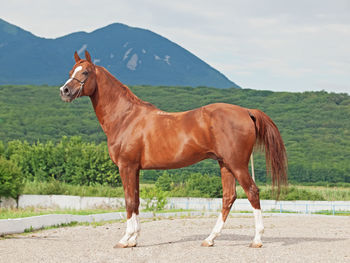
(252, 192)
(130, 180)
(229, 196)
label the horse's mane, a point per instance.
(133, 98)
(125, 91)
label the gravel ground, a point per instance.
(289, 238)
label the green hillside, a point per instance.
(314, 125)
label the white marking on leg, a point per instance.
(132, 230)
(259, 226)
(216, 230)
(71, 78)
(133, 239)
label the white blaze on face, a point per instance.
(73, 75)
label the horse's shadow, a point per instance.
(286, 241)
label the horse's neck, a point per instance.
(111, 101)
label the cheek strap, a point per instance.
(81, 86)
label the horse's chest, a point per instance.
(125, 151)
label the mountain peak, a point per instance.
(134, 55)
(10, 31)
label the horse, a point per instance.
(141, 136)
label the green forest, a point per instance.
(315, 127)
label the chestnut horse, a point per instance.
(141, 136)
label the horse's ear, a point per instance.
(76, 56)
(87, 56)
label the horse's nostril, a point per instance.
(66, 91)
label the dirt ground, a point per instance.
(289, 238)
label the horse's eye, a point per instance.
(85, 73)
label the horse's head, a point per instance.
(82, 79)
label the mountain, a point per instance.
(135, 56)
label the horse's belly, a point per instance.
(172, 157)
(172, 164)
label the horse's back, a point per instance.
(235, 116)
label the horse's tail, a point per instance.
(269, 137)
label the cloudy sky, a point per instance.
(299, 45)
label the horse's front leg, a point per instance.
(130, 180)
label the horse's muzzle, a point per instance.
(66, 94)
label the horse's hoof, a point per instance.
(120, 245)
(205, 243)
(255, 245)
(131, 244)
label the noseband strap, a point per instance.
(81, 82)
(81, 86)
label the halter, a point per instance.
(81, 86)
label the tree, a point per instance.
(11, 179)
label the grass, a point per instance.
(329, 193)
(277, 211)
(27, 212)
(329, 212)
(297, 192)
(171, 211)
(294, 192)
(59, 188)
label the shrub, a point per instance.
(203, 185)
(193, 185)
(164, 182)
(2, 149)
(59, 188)
(71, 160)
(155, 198)
(11, 179)
(292, 193)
